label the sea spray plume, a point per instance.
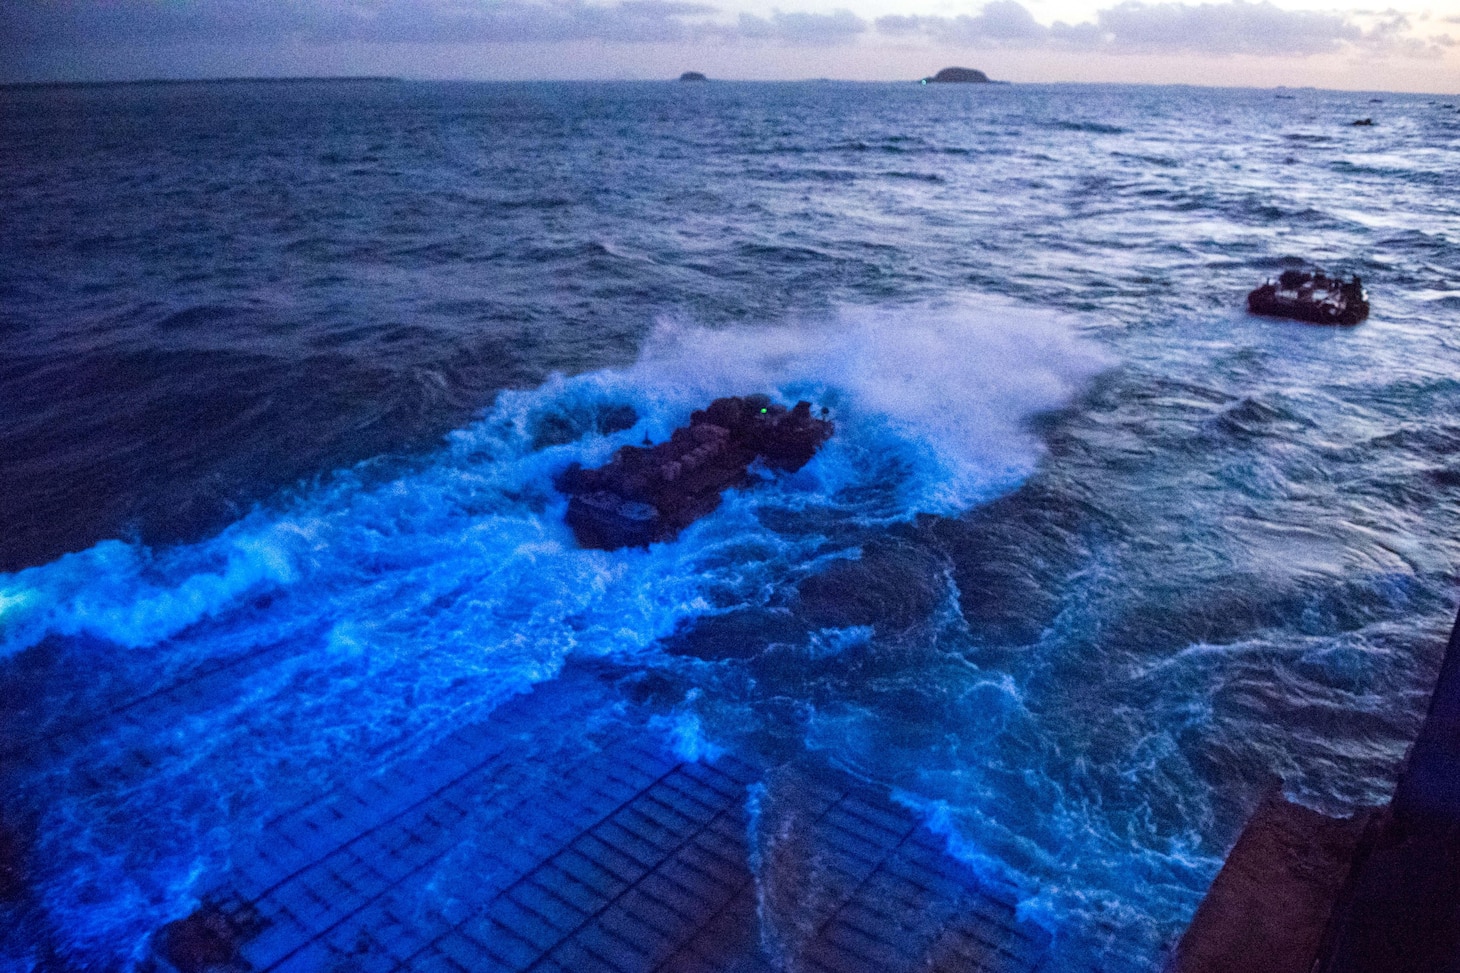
(956, 383)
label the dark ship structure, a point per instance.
(1312, 297)
(651, 493)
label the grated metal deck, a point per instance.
(624, 859)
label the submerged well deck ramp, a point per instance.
(627, 859)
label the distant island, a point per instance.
(693, 76)
(958, 76)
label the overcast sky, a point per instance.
(1220, 42)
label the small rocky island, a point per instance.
(958, 76)
(693, 76)
(651, 493)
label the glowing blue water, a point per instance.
(1092, 556)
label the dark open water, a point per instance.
(285, 371)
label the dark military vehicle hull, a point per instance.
(651, 493)
(1312, 297)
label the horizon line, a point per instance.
(392, 79)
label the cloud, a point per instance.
(1236, 27)
(1211, 28)
(80, 23)
(1000, 22)
(837, 27)
(1392, 36)
(1228, 27)
(101, 22)
(77, 22)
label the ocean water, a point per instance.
(1093, 558)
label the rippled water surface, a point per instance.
(286, 371)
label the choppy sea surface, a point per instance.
(1092, 559)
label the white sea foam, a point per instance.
(389, 612)
(933, 402)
